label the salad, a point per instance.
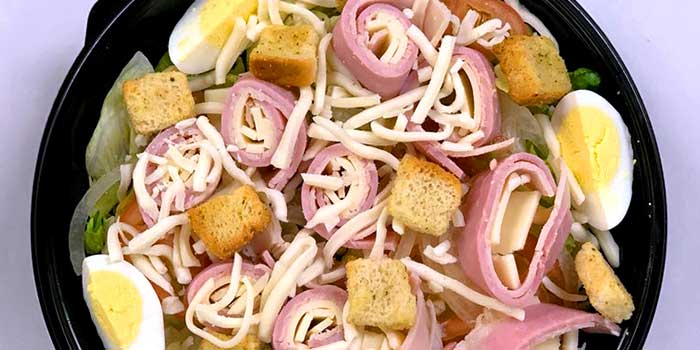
(360, 174)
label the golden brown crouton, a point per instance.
(250, 342)
(286, 55)
(424, 196)
(379, 294)
(225, 223)
(157, 101)
(605, 291)
(535, 72)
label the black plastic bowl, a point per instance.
(118, 28)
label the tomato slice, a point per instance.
(454, 328)
(492, 9)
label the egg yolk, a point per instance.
(216, 18)
(590, 146)
(116, 305)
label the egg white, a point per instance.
(188, 47)
(606, 206)
(151, 335)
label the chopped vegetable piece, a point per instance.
(164, 63)
(584, 79)
(95, 233)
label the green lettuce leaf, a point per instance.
(164, 63)
(112, 139)
(95, 233)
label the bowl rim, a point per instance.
(104, 13)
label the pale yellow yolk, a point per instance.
(116, 305)
(217, 18)
(590, 145)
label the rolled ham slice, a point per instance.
(365, 177)
(542, 322)
(483, 82)
(479, 209)
(221, 273)
(183, 138)
(486, 110)
(358, 46)
(320, 304)
(426, 333)
(260, 107)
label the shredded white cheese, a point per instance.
(355, 147)
(236, 43)
(283, 280)
(142, 241)
(283, 155)
(561, 293)
(325, 182)
(321, 74)
(440, 253)
(428, 274)
(393, 106)
(440, 69)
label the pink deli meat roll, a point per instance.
(253, 122)
(480, 210)
(542, 322)
(359, 45)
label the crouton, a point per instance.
(157, 101)
(250, 342)
(379, 294)
(225, 223)
(424, 196)
(535, 72)
(605, 291)
(286, 55)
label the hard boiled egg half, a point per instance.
(199, 36)
(123, 304)
(596, 146)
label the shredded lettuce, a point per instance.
(95, 233)
(572, 246)
(113, 138)
(542, 109)
(164, 63)
(532, 148)
(96, 228)
(102, 193)
(519, 123)
(584, 79)
(547, 202)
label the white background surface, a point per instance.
(657, 39)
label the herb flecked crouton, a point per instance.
(226, 222)
(424, 196)
(379, 294)
(604, 289)
(286, 55)
(535, 72)
(157, 101)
